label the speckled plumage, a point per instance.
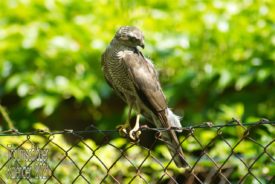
(135, 80)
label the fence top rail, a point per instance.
(93, 129)
(214, 159)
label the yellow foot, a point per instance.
(122, 129)
(134, 135)
(125, 131)
(158, 135)
(135, 132)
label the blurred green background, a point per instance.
(216, 59)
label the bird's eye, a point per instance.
(132, 38)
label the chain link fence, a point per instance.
(227, 153)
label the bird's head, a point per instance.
(130, 36)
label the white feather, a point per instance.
(174, 119)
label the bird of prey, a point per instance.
(135, 80)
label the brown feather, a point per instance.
(135, 80)
(148, 88)
(146, 82)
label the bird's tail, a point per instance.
(168, 119)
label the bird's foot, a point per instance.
(123, 130)
(126, 131)
(135, 132)
(158, 135)
(134, 135)
(144, 127)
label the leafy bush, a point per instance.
(216, 60)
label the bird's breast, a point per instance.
(119, 73)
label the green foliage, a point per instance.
(216, 60)
(213, 56)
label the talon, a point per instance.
(144, 127)
(134, 135)
(138, 133)
(158, 135)
(122, 129)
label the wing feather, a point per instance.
(146, 81)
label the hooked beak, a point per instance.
(142, 44)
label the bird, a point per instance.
(135, 80)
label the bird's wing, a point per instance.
(145, 80)
(148, 88)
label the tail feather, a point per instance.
(167, 119)
(174, 148)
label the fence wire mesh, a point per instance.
(227, 153)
